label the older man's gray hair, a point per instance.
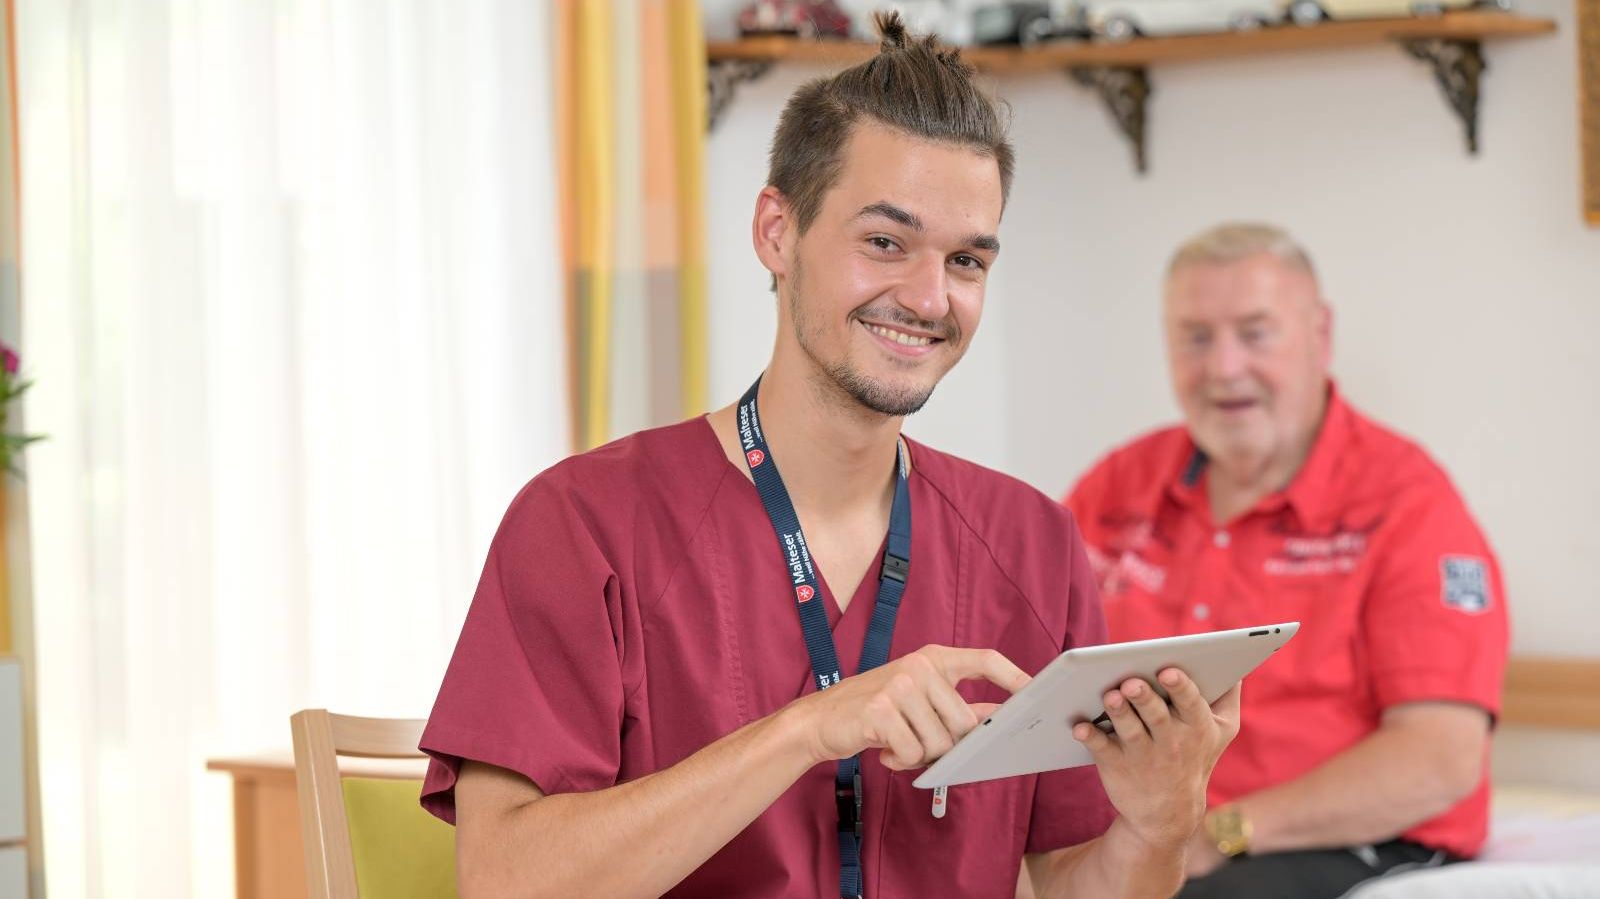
(1231, 242)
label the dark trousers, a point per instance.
(1311, 874)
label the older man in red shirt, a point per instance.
(1365, 740)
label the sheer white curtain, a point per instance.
(291, 296)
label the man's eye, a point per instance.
(966, 261)
(882, 243)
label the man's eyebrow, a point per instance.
(1249, 318)
(984, 242)
(891, 212)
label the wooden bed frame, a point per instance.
(1552, 692)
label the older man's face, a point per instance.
(1248, 345)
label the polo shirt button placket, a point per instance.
(1201, 611)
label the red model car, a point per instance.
(804, 18)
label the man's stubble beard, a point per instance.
(864, 391)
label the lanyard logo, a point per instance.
(804, 592)
(755, 457)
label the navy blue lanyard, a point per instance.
(814, 618)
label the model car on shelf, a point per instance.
(1027, 22)
(1123, 20)
(1310, 12)
(801, 18)
(951, 20)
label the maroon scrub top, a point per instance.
(635, 607)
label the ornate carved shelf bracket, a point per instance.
(1124, 91)
(1458, 68)
(723, 79)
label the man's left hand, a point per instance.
(1156, 764)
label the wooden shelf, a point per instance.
(1452, 43)
(1465, 25)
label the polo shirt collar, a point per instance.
(1308, 491)
(1312, 490)
(1187, 487)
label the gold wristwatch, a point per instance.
(1229, 829)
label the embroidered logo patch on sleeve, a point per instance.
(1466, 583)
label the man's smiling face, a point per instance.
(1248, 345)
(884, 290)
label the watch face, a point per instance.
(1228, 830)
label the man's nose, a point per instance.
(925, 291)
(1227, 358)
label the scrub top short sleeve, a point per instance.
(547, 601)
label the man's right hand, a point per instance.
(909, 708)
(669, 822)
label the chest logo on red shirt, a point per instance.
(804, 593)
(1127, 570)
(755, 457)
(1120, 565)
(1339, 551)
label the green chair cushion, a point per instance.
(401, 851)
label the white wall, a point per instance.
(1466, 290)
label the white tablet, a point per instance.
(1032, 732)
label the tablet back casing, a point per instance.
(1032, 731)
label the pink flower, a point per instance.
(12, 362)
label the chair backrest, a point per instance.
(366, 838)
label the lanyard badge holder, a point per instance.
(848, 796)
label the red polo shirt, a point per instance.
(635, 607)
(1370, 548)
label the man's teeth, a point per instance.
(899, 336)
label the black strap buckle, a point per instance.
(847, 798)
(895, 567)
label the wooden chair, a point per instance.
(366, 838)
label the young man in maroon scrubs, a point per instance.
(648, 696)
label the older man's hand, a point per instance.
(1156, 764)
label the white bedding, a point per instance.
(1543, 825)
(1543, 844)
(1488, 880)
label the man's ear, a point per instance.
(771, 229)
(1323, 323)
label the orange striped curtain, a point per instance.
(10, 306)
(632, 119)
